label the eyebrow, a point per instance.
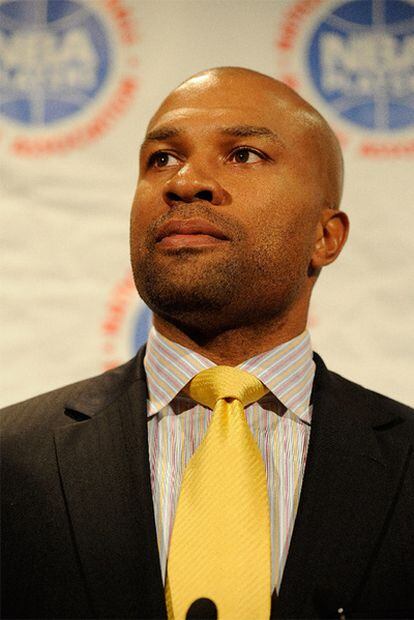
(238, 131)
(246, 131)
(163, 133)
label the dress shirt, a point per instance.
(280, 423)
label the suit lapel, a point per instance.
(103, 463)
(353, 472)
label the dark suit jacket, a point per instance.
(78, 524)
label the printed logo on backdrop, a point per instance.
(67, 72)
(126, 323)
(355, 60)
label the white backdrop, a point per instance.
(78, 82)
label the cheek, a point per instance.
(282, 230)
(145, 208)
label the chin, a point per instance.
(185, 287)
(174, 300)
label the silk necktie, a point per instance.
(220, 544)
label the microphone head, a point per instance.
(202, 609)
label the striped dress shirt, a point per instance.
(280, 423)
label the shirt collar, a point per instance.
(286, 370)
(169, 367)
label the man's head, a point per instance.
(237, 203)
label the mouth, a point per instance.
(192, 233)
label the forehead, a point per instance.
(201, 107)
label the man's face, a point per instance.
(229, 195)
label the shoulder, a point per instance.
(371, 399)
(83, 398)
(355, 397)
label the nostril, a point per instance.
(173, 197)
(205, 194)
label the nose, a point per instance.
(191, 185)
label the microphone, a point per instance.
(202, 609)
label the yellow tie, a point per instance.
(220, 544)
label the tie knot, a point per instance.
(219, 382)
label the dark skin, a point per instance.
(242, 152)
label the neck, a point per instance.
(232, 346)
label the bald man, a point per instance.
(236, 212)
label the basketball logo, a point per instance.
(361, 60)
(354, 60)
(67, 71)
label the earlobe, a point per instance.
(332, 233)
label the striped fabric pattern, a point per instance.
(280, 423)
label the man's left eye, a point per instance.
(245, 156)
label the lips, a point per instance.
(192, 232)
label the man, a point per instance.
(236, 212)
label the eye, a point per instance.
(246, 155)
(162, 159)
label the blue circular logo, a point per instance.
(361, 59)
(54, 59)
(142, 327)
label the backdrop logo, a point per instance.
(361, 58)
(357, 59)
(67, 71)
(126, 323)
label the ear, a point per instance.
(331, 234)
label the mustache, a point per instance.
(232, 229)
